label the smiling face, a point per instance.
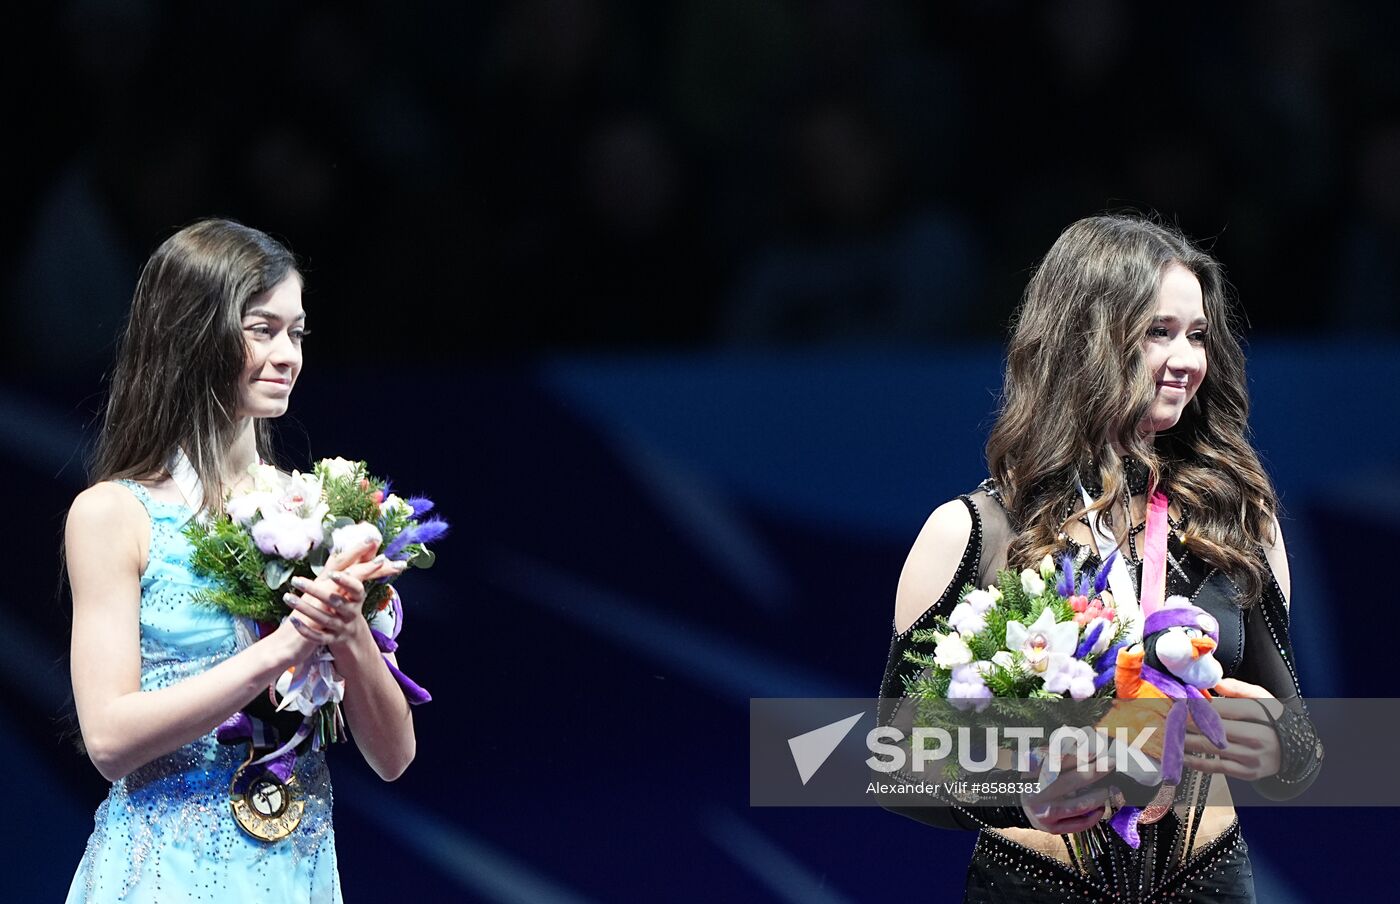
(1174, 348)
(273, 327)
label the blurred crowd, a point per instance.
(474, 180)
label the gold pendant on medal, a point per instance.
(266, 808)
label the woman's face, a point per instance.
(1175, 347)
(273, 327)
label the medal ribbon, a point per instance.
(1154, 562)
(1154, 554)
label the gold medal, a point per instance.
(265, 807)
(1159, 806)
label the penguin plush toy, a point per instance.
(1174, 662)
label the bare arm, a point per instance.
(124, 727)
(1277, 557)
(932, 562)
(926, 581)
(375, 708)
(378, 715)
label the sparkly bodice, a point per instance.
(1254, 647)
(178, 637)
(165, 833)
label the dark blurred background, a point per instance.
(687, 313)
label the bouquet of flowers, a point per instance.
(1038, 649)
(1055, 635)
(288, 526)
(1046, 635)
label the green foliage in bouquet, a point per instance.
(250, 583)
(1015, 693)
(227, 551)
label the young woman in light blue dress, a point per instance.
(212, 351)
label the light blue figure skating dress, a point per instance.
(165, 834)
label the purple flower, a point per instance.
(421, 504)
(1108, 665)
(1090, 637)
(1066, 585)
(425, 532)
(1101, 579)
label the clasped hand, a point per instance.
(1075, 800)
(1252, 749)
(328, 609)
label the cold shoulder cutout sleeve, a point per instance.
(951, 552)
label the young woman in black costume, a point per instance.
(1124, 373)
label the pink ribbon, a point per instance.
(1154, 555)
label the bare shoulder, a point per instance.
(104, 504)
(1276, 554)
(105, 521)
(933, 562)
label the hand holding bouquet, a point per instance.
(1034, 650)
(338, 538)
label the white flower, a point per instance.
(1072, 676)
(966, 620)
(354, 536)
(338, 468)
(301, 491)
(1047, 567)
(267, 479)
(951, 651)
(285, 535)
(393, 505)
(1105, 634)
(1045, 643)
(967, 690)
(1032, 583)
(242, 509)
(1000, 658)
(981, 600)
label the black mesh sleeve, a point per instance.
(1269, 662)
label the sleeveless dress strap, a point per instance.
(142, 494)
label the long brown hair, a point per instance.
(1077, 388)
(175, 385)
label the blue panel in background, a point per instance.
(642, 544)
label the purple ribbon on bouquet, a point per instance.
(281, 758)
(280, 761)
(388, 643)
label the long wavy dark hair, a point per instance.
(1077, 388)
(175, 385)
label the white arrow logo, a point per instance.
(812, 749)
